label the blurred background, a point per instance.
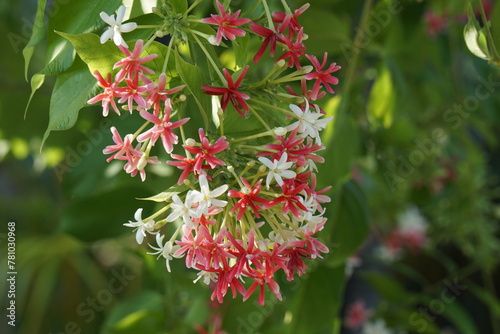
(413, 156)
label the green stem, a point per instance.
(170, 45)
(259, 118)
(281, 110)
(159, 212)
(209, 57)
(139, 131)
(489, 36)
(358, 39)
(268, 14)
(285, 5)
(196, 3)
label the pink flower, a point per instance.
(184, 164)
(231, 92)
(323, 77)
(132, 93)
(356, 315)
(137, 163)
(158, 93)
(108, 96)
(123, 148)
(206, 152)
(249, 198)
(227, 24)
(131, 65)
(163, 128)
(270, 38)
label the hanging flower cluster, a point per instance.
(246, 205)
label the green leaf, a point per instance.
(323, 284)
(349, 223)
(36, 36)
(193, 78)
(341, 149)
(71, 93)
(141, 313)
(36, 82)
(492, 303)
(240, 47)
(388, 288)
(459, 317)
(101, 216)
(179, 6)
(475, 37)
(84, 18)
(382, 98)
(97, 56)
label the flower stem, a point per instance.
(259, 118)
(209, 57)
(196, 3)
(358, 45)
(491, 41)
(170, 46)
(281, 110)
(159, 212)
(285, 5)
(268, 14)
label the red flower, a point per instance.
(323, 77)
(231, 92)
(158, 93)
(289, 20)
(291, 202)
(293, 50)
(249, 198)
(271, 38)
(227, 24)
(132, 93)
(206, 152)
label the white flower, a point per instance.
(207, 198)
(183, 209)
(164, 250)
(376, 327)
(116, 27)
(309, 122)
(278, 169)
(142, 227)
(412, 221)
(207, 276)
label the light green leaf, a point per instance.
(475, 37)
(97, 56)
(36, 82)
(71, 93)
(382, 98)
(179, 6)
(36, 36)
(349, 223)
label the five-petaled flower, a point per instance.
(108, 96)
(206, 152)
(227, 24)
(231, 92)
(166, 250)
(116, 27)
(132, 64)
(142, 226)
(248, 199)
(278, 169)
(323, 77)
(309, 123)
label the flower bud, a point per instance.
(306, 69)
(159, 33)
(230, 169)
(211, 39)
(182, 97)
(190, 142)
(279, 131)
(143, 161)
(281, 63)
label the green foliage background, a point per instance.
(405, 114)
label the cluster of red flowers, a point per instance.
(229, 226)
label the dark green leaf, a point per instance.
(460, 318)
(349, 223)
(388, 288)
(101, 216)
(324, 284)
(36, 36)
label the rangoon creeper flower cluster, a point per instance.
(246, 204)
